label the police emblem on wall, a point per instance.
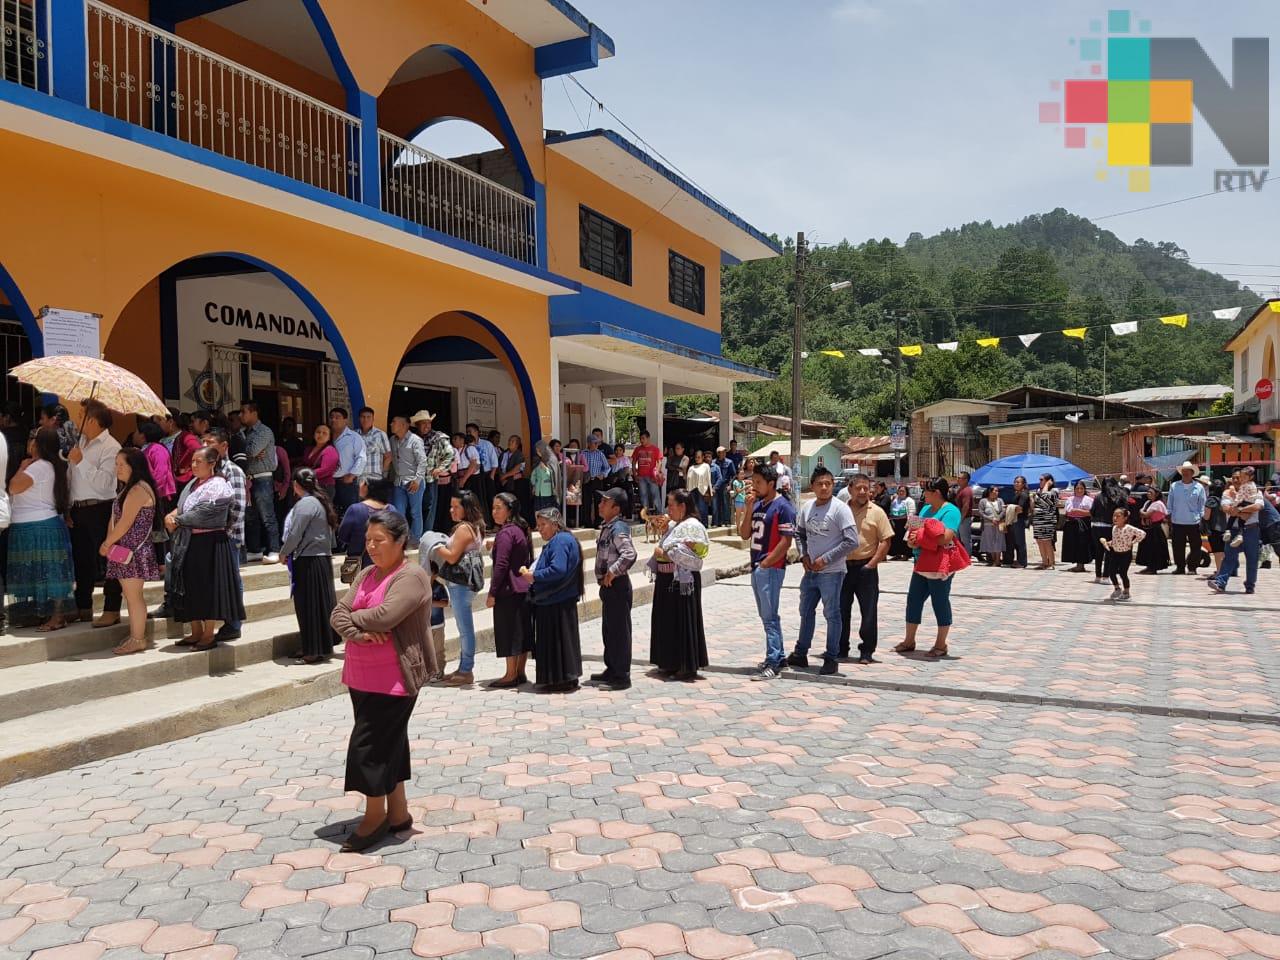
(209, 389)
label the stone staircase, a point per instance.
(66, 700)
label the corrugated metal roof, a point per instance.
(1202, 391)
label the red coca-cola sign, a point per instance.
(1263, 389)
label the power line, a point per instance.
(631, 130)
(1168, 203)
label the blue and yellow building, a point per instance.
(236, 188)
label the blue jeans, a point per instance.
(263, 533)
(650, 494)
(409, 503)
(824, 586)
(938, 591)
(1231, 559)
(460, 602)
(766, 583)
(345, 494)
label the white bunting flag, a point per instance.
(953, 345)
(1120, 329)
(1230, 313)
(1028, 338)
(870, 352)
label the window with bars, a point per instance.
(687, 283)
(604, 246)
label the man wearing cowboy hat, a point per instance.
(439, 455)
(1187, 500)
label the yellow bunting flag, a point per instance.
(833, 353)
(1275, 306)
(912, 351)
(1077, 332)
(1177, 320)
(989, 342)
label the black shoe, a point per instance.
(829, 667)
(798, 660)
(357, 844)
(224, 634)
(844, 653)
(159, 613)
(603, 677)
(619, 683)
(865, 661)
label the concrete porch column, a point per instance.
(726, 417)
(555, 411)
(654, 401)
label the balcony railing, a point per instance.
(419, 186)
(146, 76)
(161, 82)
(23, 57)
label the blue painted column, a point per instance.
(540, 222)
(68, 49)
(366, 108)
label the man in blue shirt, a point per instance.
(1187, 500)
(769, 522)
(722, 485)
(351, 460)
(488, 468)
(596, 467)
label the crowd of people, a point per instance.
(188, 499)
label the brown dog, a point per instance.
(655, 525)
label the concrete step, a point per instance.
(66, 712)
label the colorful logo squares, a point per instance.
(1127, 101)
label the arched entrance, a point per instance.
(20, 340)
(461, 367)
(213, 331)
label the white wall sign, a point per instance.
(255, 308)
(482, 409)
(70, 333)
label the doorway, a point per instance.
(407, 399)
(286, 387)
(575, 415)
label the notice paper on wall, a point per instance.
(70, 333)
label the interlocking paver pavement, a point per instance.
(716, 819)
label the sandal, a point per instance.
(185, 642)
(202, 647)
(904, 647)
(49, 627)
(131, 645)
(936, 653)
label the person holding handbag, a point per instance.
(131, 559)
(462, 569)
(934, 535)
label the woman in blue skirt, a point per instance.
(40, 574)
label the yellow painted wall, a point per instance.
(108, 231)
(376, 47)
(652, 235)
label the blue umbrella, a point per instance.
(1002, 472)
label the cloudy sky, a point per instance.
(873, 118)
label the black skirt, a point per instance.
(512, 625)
(313, 602)
(209, 579)
(378, 752)
(1153, 551)
(1077, 541)
(557, 648)
(677, 640)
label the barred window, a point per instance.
(687, 283)
(604, 246)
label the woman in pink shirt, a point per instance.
(385, 617)
(323, 459)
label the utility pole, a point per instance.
(897, 387)
(797, 363)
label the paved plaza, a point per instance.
(1072, 782)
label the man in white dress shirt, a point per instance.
(91, 474)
